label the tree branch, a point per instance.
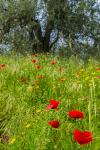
(56, 39)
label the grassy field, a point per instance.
(27, 84)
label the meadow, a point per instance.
(28, 83)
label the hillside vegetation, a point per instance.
(27, 84)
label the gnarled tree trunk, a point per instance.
(41, 43)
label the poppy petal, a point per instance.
(76, 114)
(54, 123)
(82, 137)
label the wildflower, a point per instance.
(98, 77)
(61, 69)
(54, 123)
(82, 70)
(53, 62)
(53, 104)
(2, 65)
(38, 110)
(62, 79)
(38, 67)
(98, 69)
(28, 125)
(5, 138)
(12, 140)
(41, 77)
(29, 89)
(34, 60)
(24, 80)
(76, 114)
(82, 137)
(77, 74)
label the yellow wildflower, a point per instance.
(38, 110)
(12, 140)
(28, 125)
(29, 89)
(81, 70)
(62, 79)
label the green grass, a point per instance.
(23, 115)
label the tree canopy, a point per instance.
(38, 25)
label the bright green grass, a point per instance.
(23, 115)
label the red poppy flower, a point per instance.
(54, 123)
(38, 67)
(61, 69)
(98, 77)
(53, 62)
(41, 77)
(76, 114)
(98, 69)
(53, 104)
(2, 65)
(34, 60)
(82, 137)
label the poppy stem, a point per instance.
(95, 110)
(89, 107)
